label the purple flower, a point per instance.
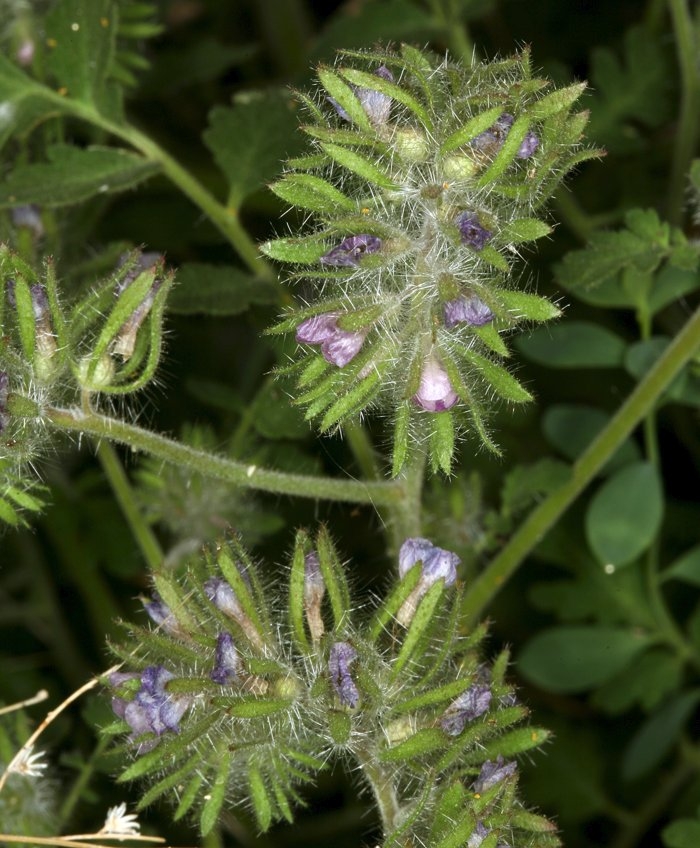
(491, 140)
(377, 106)
(528, 146)
(142, 262)
(348, 253)
(467, 310)
(125, 340)
(337, 346)
(437, 562)
(468, 706)
(314, 590)
(223, 597)
(28, 216)
(471, 231)
(435, 392)
(152, 709)
(341, 657)
(478, 835)
(162, 615)
(226, 660)
(494, 772)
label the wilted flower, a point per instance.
(467, 310)
(337, 346)
(314, 590)
(118, 822)
(226, 660)
(348, 253)
(125, 340)
(161, 614)
(493, 772)
(491, 141)
(341, 657)
(435, 392)
(468, 706)
(152, 709)
(438, 564)
(478, 835)
(377, 106)
(471, 231)
(221, 594)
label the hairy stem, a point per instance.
(210, 465)
(383, 789)
(541, 519)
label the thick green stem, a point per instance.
(382, 787)
(210, 465)
(686, 135)
(531, 532)
(124, 494)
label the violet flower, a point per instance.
(491, 140)
(377, 106)
(467, 310)
(341, 657)
(337, 346)
(493, 772)
(226, 660)
(435, 392)
(468, 706)
(221, 594)
(478, 835)
(348, 253)
(161, 614)
(471, 232)
(437, 564)
(29, 216)
(152, 709)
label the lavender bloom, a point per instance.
(125, 340)
(28, 216)
(467, 310)
(161, 614)
(337, 346)
(478, 835)
(348, 253)
(468, 706)
(471, 232)
(341, 657)
(143, 262)
(314, 590)
(377, 106)
(435, 392)
(437, 562)
(223, 597)
(153, 709)
(494, 772)
(491, 140)
(226, 660)
(528, 146)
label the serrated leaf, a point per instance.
(221, 290)
(573, 344)
(251, 139)
(574, 659)
(308, 191)
(625, 514)
(73, 175)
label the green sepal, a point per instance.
(298, 251)
(388, 610)
(345, 97)
(451, 803)
(307, 191)
(174, 779)
(188, 797)
(433, 697)
(283, 803)
(468, 747)
(26, 324)
(493, 340)
(422, 620)
(355, 400)
(339, 726)
(358, 164)
(489, 254)
(462, 830)
(400, 440)
(344, 137)
(302, 546)
(360, 318)
(525, 820)
(506, 155)
(314, 370)
(425, 741)
(169, 590)
(250, 605)
(216, 794)
(442, 442)
(334, 578)
(376, 83)
(471, 129)
(515, 742)
(555, 101)
(528, 306)
(500, 381)
(251, 708)
(474, 407)
(524, 229)
(258, 794)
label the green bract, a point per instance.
(424, 181)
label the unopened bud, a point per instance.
(314, 590)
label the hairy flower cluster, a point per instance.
(421, 187)
(227, 700)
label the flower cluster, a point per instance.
(242, 703)
(422, 184)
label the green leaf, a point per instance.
(81, 40)
(573, 344)
(274, 416)
(686, 568)
(358, 164)
(73, 175)
(251, 139)
(683, 833)
(313, 193)
(574, 659)
(625, 514)
(214, 799)
(657, 736)
(23, 102)
(471, 129)
(670, 284)
(259, 796)
(656, 674)
(571, 428)
(524, 229)
(218, 290)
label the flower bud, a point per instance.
(337, 346)
(493, 772)
(468, 706)
(377, 106)
(314, 590)
(226, 660)
(435, 393)
(341, 657)
(467, 310)
(125, 340)
(437, 564)
(224, 599)
(348, 253)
